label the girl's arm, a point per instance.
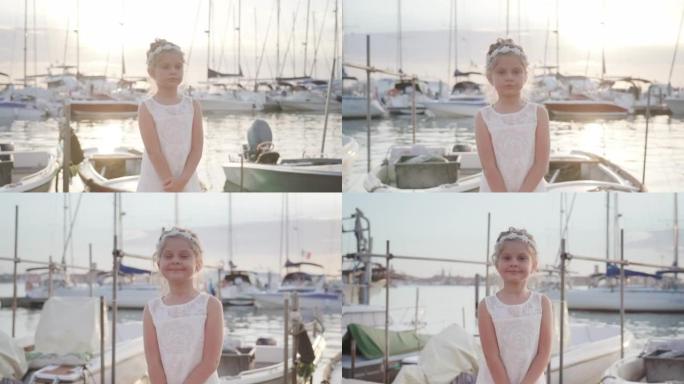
(541, 360)
(485, 150)
(213, 344)
(195, 148)
(489, 346)
(154, 364)
(148, 132)
(541, 152)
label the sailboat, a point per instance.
(304, 278)
(237, 287)
(222, 96)
(659, 292)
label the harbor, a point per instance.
(409, 307)
(87, 305)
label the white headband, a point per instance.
(160, 49)
(179, 232)
(519, 237)
(503, 50)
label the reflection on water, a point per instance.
(294, 135)
(621, 141)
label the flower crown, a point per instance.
(179, 232)
(163, 47)
(514, 234)
(503, 50)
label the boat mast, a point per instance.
(557, 38)
(123, 59)
(675, 263)
(230, 232)
(306, 36)
(208, 42)
(78, 39)
(25, 38)
(508, 14)
(674, 55)
(399, 52)
(277, 39)
(239, 33)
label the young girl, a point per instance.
(170, 125)
(512, 134)
(183, 330)
(515, 323)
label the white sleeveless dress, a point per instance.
(517, 335)
(513, 140)
(174, 129)
(180, 334)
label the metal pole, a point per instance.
(489, 232)
(115, 271)
(51, 269)
(387, 304)
(102, 339)
(562, 312)
(413, 108)
(295, 327)
(368, 117)
(90, 272)
(622, 294)
(415, 315)
(66, 144)
(286, 322)
(648, 116)
(477, 292)
(14, 274)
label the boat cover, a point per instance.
(450, 354)
(12, 360)
(370, 342)
(69, 325)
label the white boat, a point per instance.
(661, 362)
(238, 288)
(260, 168)
(115, 171)
(416, 168)
(312, 289)
(27, 171)
(465, 100)
(14, 110)
(68, 334)
(356, 107)
(456, 106)
(676, 103)
(309, 101)
(229, 101)
(261, 364)
(664, 295)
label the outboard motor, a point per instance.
(260, 143)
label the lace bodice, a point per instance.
(513, 139)
(173, 124)
(180, 334)
(517, 335)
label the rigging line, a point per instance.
(320, 35)
(71, 226)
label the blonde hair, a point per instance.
(504, 47)
(195, 246)
(159, 46)
(514, 234)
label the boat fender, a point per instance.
(76, 150)
(305, 348)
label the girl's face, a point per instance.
(508, 75)
(168, 69)
(516, 262)
(177, 261)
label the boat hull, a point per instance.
(580, 109)
(282, 178)
(649, 300)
